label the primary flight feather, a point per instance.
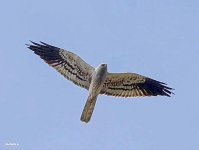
(97, 80)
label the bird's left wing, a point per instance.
(132, 85)
(67, 63)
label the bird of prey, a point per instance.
(97, 80)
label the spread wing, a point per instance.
(131, 85)
(67, 63)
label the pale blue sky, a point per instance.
(39, 109)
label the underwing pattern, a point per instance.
(132, 85)
(67, 63)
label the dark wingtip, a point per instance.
(159, 88)
(28, 45)
(40, 44)
(45, 51)
(43, 43)
(169, 90)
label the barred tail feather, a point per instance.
(88, 109)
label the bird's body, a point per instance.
(97, 80)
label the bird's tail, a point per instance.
(88, 108)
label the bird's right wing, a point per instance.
(67, 63)
(133, 85)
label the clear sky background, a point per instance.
(39, 109)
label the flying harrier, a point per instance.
(97, 80)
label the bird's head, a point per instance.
(102, 67)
